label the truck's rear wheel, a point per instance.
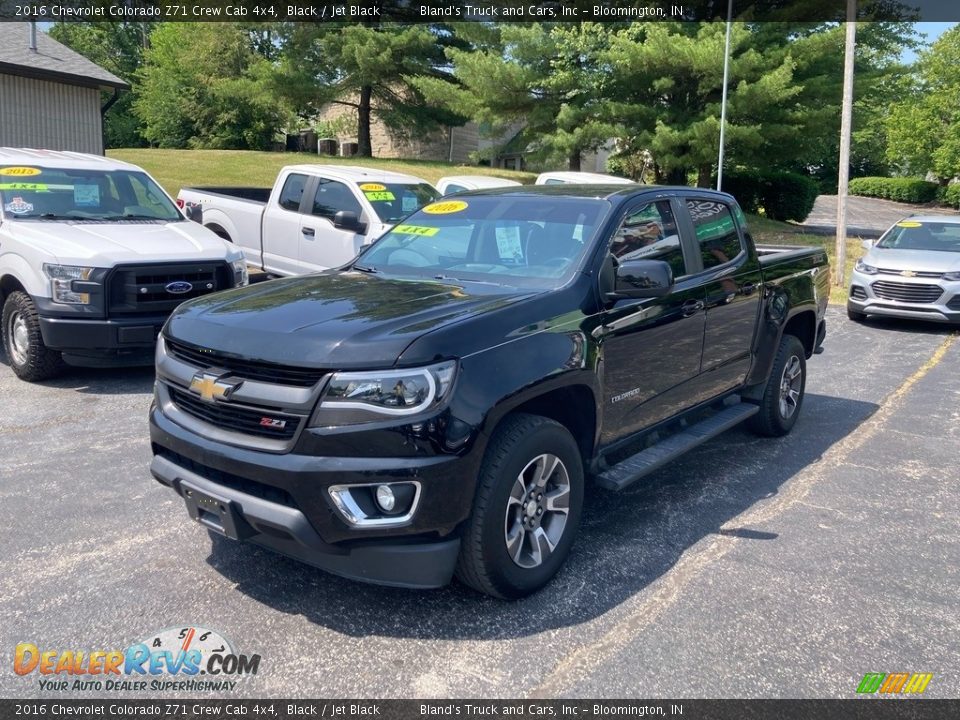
(29, 358)
(783, 394)
(527, 508)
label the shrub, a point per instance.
(782, 195)
(950, 195)
(908, 190)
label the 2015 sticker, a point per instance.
(18, 207)
(909, 224)
(416, 230)
(373, 187)
(20, 171)
(446, 207)
(379, 195)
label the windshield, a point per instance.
(533, 241)
(65, 194)
(914, 235)
(394, 201)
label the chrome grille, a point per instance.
(916, 273)
(248, 369)
(907, 292)
(139, 289)
(228, 416)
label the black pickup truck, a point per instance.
(436, 406)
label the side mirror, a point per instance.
(643, 279)
(194, 211)
(348, 220)
(867, 244)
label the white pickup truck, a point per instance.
(94, 256)
(315, 217)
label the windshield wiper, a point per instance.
(117, 218)
(364, 269)
(455, 279)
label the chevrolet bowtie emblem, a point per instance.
(212, 386)
(908, 273)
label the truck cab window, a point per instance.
(650, 233)
(331, 198)
(292, 192)
(717, 234)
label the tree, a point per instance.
(923, 129)
(206, 85)
(367, 67)
(117, 47)
(545, 79)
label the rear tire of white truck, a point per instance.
(527, 508)
(783, 394)
(29, 358)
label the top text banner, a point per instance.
(447, 11)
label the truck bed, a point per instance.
(250, 194)
(785, 254)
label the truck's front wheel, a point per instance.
(527, 508)
(29, 358)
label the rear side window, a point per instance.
(716, 232)
(454, 188)
(331, 198)
(292, 192)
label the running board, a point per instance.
(656, 456)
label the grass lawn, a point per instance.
(175, 169)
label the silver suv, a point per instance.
(912, 271)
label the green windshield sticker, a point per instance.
(416, 230)
(379, 195)
(37, 187)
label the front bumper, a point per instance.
(281, 502)
(103, 342)
(864, 298)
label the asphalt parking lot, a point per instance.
(751, 568)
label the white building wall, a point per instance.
(50, 115)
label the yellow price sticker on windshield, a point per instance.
(373, 187)
(445, 208)
(416, 230)
(20, 171)
(38, 187)
(909, 223)
(379, 195)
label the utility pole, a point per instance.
(846, 121)
(723, 100)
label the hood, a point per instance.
(112, 243)
(331, 320)
(916, 260)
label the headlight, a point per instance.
(952, 275)
(241, 276)
(357, 397)
(861, 266)
(61, 283)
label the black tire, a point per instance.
(485, 563)
(29, 358)
(777, 418)
(856, 315)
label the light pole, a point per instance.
(846, 121)
(723, 100)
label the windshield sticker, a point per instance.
(86, 195)
(20, 171)
(416, 230)
(372, 187)
(909, 223)
(18, 207)
(445, 208)
(379, 195)
(409, 203)
(508, 243)
(36, 187)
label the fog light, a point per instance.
(385, 498)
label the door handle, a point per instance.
(308, 232)
(691, 307)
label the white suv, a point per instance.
(94, 256)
